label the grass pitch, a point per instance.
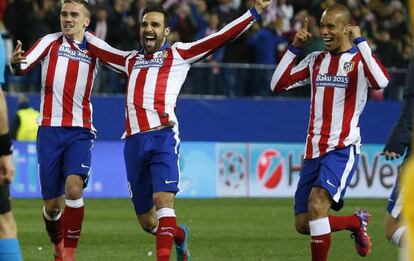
(220, 230)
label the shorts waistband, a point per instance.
(161, 127)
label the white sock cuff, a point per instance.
(319, 226)
(46, 215)
(154, 230)
(165, 212)
(77, 203)
(397, 235)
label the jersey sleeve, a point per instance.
(376, 74)
(113, 58)
(195, 51)
(36, 53)
(287, 74)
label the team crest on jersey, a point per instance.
(349, 66)
(164, 54)
(156, 61)
(72, 54)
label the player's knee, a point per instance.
(302, 228)
(163, 199)
(314, 206)
(52, 212)
(319, 203)
(149, 228)
(73, 187)
(149, 225)
(52, 207)
(73, 192)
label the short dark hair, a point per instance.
(82, 2)
(159, 9)
(341, 9)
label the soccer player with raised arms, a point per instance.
(339, 78)
(66, 134)
(155, 76)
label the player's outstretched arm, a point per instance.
(111, 57)
(261, 5)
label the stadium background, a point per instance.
(230, 147)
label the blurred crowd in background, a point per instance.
(242, 68)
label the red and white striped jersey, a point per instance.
(339, 87)
(155, 80)
(67, 76)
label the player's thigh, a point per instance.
(138, 175)
(49, 155)
(164, 165)
(308, 176)
(78, 153)
(336, 171)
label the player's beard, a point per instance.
(151, 46)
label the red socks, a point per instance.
(179, 235)
(320, 247)
(54, 231)
(72, 226)
(167, 232)
(165, 237)
(53, 227)
(320, 231)
(344, 222)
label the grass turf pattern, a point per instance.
(220, 230)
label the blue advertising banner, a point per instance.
(213, 169)
(108, 175)
(198, 170)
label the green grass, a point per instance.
(221, 230)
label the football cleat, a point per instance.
(363, 242)
(183, 254)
